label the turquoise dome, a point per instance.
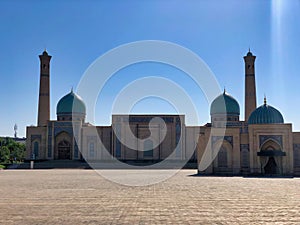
(70, 103)
(225, 104)
(265, 114)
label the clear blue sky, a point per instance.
(75, 33)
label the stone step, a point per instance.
(55, 164)
(78, 164)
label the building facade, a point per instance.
(70, 137)
(262, 144)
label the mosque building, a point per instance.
(262, 144)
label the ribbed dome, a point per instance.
(225, 104)
(265, 114)
(70, 103)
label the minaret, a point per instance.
(15, 129)
(250, 89)
(44, 95)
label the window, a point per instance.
(222, 157)
(245, 158)
(36, 149)
(297, 155)
(178, 136)
(92, 150)
(148, 149)
(118, 142)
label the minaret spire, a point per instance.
(250, 88)
(44, 94)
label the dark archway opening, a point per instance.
(64, 150)
(271, 167)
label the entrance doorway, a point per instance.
(64, 150)
(271, 167)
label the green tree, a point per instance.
(4, 154)
(16, 151)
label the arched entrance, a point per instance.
(271, 166)
(63, 146)
(271, 156)
(64, 150)
(223, 158)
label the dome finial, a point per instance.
(71, 89)
(45, 52)
(265, 100)
(224, 90)
(249, 52)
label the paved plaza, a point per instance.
(84, 197)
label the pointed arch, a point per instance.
(271, 157)
(223, 157)
(223, 154)
(36, 149)
(270, 144)
(63, 146)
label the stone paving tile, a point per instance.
(84, 197)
